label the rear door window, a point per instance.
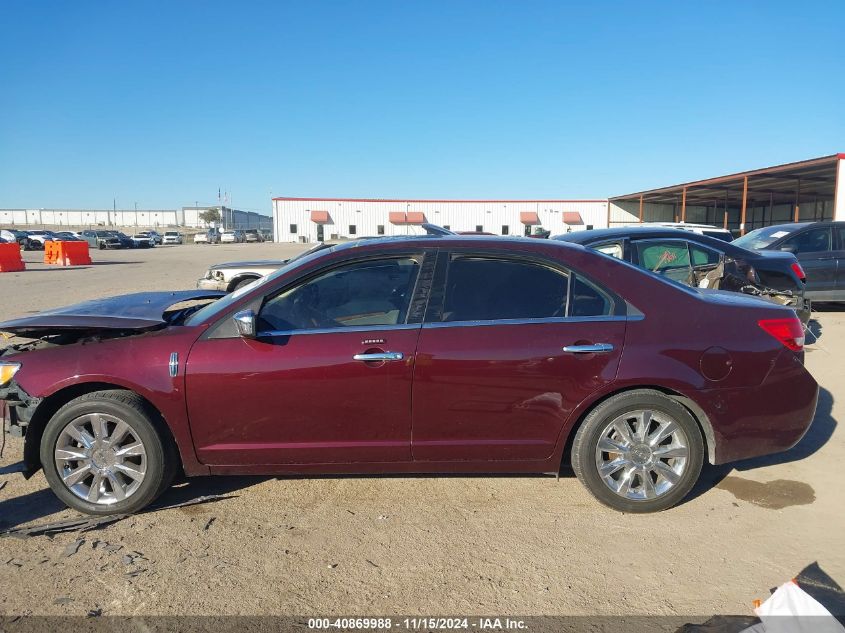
(841, 235)
(487, 288)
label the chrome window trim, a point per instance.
(338, 330)
(543, 321)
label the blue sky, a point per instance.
(162, 103)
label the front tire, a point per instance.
(638, 451)
(243, 282)
(103, 453)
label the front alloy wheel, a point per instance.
(100, 458)
(107, 452)
(638, 451)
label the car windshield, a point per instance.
(761, 238)
(171, 233)
(213, 310)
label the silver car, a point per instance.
(233, 275)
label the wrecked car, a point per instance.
(703, 261)
(230, 276)
(409, 355)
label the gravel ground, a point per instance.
(418, 545)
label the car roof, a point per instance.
(788, 226)
(594, 235)
(434, 241)
(691, 225)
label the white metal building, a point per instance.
(232, 218)
(318, 219)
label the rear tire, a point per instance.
(638, 451)
(104, 453)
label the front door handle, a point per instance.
(379, 356)
(596, 348)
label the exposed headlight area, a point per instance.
(7, 372)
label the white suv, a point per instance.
(172, 237)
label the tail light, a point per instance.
(796, 268)
(787, 331)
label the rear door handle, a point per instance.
(596, 348)
(379, 356)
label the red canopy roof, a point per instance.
(411, 217)
(572, 217)
(529, 217)
(320, 217)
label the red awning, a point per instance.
(572, 217)
(320, 217)
(529, 217)
(411, 217)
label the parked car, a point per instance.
(230, 276)
(266, 234)
(172, 237)
(35, 240)
(211, 236)
(501, 354)
(154, 236)
(125, 240)
(699, 260)
(819, 247)
(139, 240)
(231, 237)
(67, 236)
(12, 235)
(101, 239)
(709, 230)
(252, 235)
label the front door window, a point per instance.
(368, 293)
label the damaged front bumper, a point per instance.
(212, 284)
(16, 410)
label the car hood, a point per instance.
(137, 311)
(262, 263)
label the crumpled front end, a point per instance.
(16, 410)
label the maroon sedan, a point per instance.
(410, 355)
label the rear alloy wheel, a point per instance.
(639, 451)
(102, 454)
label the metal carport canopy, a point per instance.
(791, 182)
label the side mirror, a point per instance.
(245, 322)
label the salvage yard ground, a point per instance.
(419, 545)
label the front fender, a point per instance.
(140, 364)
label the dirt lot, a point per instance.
(420, 545)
